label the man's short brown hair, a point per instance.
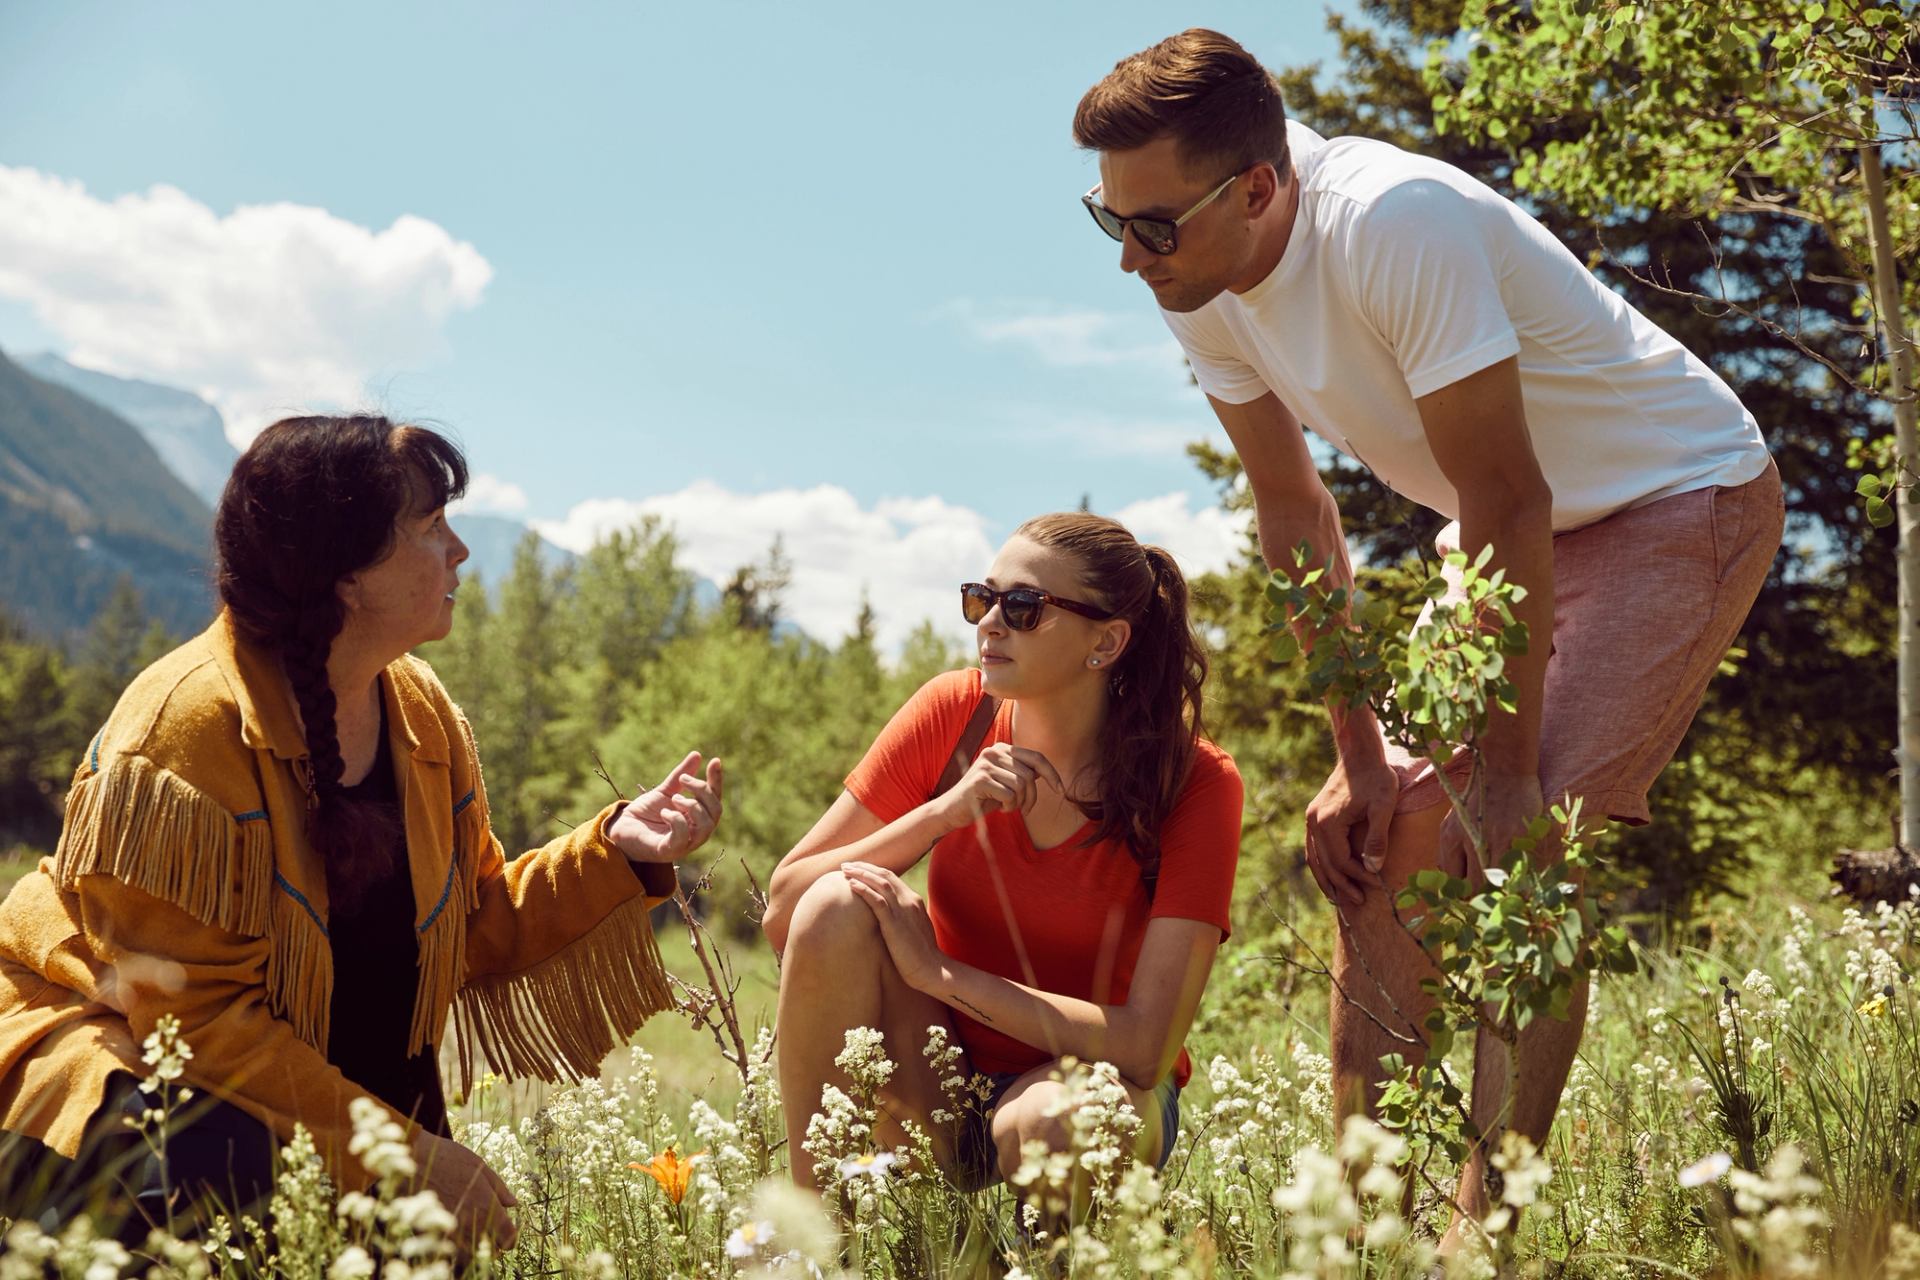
(1200, 88)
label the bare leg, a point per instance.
(1377, 1005)
(836, 975)
(1547, 1049)
(1022, 1117)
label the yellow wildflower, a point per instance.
(1874, 1008)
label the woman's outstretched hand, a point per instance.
(672, 820)
(904, 923)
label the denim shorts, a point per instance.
(976, 1152)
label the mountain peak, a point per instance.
(186, 431)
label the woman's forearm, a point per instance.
(897, 847)
(1061, 1025)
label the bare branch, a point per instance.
(1729, 307)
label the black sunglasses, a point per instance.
(1020, 606)
(1155, 233)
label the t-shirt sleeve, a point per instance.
(1216, 362)
(1426, 280)
(906, 760)
(1200, 844)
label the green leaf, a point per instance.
(1869, 486)
(1286, 647)
(1879, 514)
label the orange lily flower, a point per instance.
(670, 1171)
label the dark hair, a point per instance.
(311, 501)
(1154, 715)
(1199, 87)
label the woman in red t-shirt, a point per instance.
(1081, 871)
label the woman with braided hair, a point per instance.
(281, 838)
(1081, 835)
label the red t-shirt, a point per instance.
(1076, 914)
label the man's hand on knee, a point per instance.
(1347, 826)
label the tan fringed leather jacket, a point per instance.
(183, 883)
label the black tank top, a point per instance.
(376, 965)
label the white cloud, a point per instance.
(489, 494)
(1204, 541)
(1070, 337)
(270, 309)
(909, 554)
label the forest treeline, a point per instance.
(611, 663)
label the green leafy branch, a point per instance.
(1513, 943)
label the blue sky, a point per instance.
(748, 266)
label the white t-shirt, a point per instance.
(1404, 274)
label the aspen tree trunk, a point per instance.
(1893, 327)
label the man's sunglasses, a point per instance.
(1155, 233)
(1020, 606)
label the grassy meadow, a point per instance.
(1747, 1103)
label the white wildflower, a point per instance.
(1707, 1169)
(749, 1239)
(379, 1141)
(352, 1264)
(872, 1164)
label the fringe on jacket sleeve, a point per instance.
(148, 828)
(562, 1017)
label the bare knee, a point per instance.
(1022, 1118)
(830, 920)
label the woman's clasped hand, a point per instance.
(1002, 778)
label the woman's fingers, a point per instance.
(869, 884)
(671, 784)
(985, 788)
(1039, 766)
(875, 877)
(679, 830)
(1018, 783)
(501, 1190)
(700, 810)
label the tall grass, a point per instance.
(1748, 1103)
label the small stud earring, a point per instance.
(1095, 662)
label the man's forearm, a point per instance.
(1521, 535)
(1356, 732)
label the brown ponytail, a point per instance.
(1154, 714)
(311, 501)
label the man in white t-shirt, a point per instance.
(1432, 331)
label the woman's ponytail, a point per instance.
(1155, 717)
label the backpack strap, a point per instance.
(968, 747)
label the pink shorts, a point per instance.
(1646, 604)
